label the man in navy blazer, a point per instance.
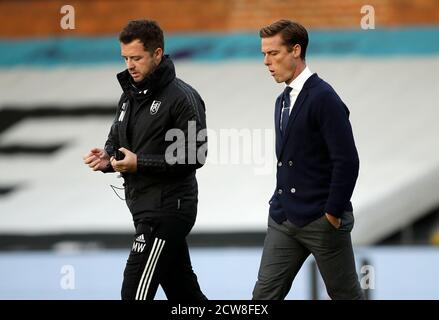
(317, 168)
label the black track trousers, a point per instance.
(160, 256)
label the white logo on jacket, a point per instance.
(155, 107)
(123, 111)
(139, 244)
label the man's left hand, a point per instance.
(336, 222)
(127, 164)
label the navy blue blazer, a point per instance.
(318, 162)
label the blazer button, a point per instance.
(279, 191)
(290, 163)
(293, 190)
(279, 164)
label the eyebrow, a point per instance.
(269, 51)
(130, 56)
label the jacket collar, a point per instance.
(158, 79)
(312, 81)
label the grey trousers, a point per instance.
(286, 248)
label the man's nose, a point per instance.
(130, 64)
(266, 61)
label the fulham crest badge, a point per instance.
(155, 107)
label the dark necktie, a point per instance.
(286, 102)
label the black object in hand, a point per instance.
(119, 155)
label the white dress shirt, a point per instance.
(297, 85)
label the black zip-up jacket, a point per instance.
(162, 120)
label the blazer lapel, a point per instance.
(277, 111)
(296, 109)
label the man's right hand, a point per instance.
(97, 159)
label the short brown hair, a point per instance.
(292, 33)
(147, 31)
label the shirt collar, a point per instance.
(299, 81)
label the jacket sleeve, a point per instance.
(333, 120)
(112, 142)
(187, 149)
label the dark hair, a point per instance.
(147, 31)
(292, 33)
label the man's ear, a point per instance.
(158, 54)
(297, 50)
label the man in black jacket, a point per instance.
(157, 142)
(310, 210)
